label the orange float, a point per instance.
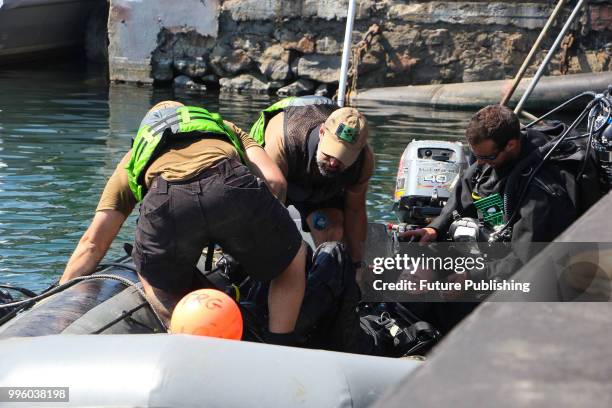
(207, 312)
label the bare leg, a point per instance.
(286, 294)
(334, 229)
(162, 301)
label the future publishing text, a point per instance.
(421, 285)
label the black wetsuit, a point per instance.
(546, 210)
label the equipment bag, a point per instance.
(391, 335)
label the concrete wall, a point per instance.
(295, 46)
(134, 27)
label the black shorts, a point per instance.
(226, 205)
(307, 208)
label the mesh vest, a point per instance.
(258, 129)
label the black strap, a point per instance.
(209, 257)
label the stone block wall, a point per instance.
(294, 47)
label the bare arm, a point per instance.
(260, 163)
(355, 214)
(116, 203)
(356, 220)
(93, 244)
(263, 167)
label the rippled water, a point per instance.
(63, 130)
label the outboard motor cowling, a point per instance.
(427, 172)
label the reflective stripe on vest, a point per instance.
(151, 137)
(259, 127)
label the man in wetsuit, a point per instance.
(323, 154)
(504, 159)
(185, 166)
(499, 147)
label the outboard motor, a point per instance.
(427, 172)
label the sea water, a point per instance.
(63, 129)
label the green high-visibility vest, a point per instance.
(258, 129)
(171, 123)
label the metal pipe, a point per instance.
(528, 115)
(536, 45)
(551, 91)
(552, 50)
(346, 51)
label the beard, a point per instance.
(326, 171)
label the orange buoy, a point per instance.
(207, 312)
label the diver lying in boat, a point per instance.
(331, 316)
(185, 168)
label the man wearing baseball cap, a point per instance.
(323, 152)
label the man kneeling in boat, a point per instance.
(326, 161)
(185, 168)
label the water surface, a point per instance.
(63, 130)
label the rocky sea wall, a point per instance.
(294, 47)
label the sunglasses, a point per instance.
(490, 157)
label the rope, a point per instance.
(566, 45)
(23, 291)
(357, 53)
(125, 315)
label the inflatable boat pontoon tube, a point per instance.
(160, 370)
